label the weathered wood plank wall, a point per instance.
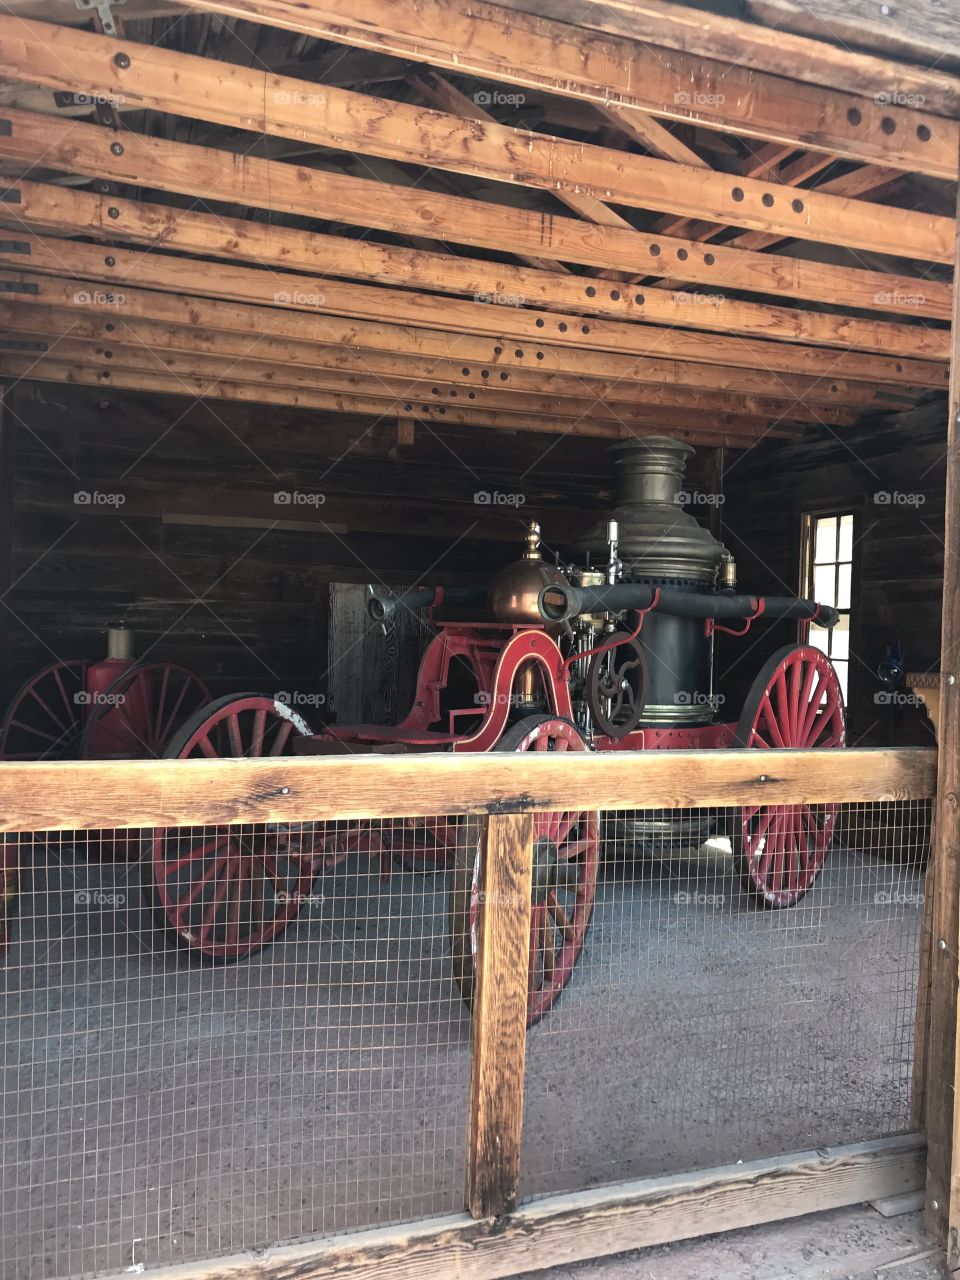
(891, 474)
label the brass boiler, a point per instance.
(512, 598)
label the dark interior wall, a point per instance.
(183, 540)
(891, 474)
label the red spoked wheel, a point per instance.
(46, 717)
(224, 892)
(795, 702)
(141, 711)
(566, 859)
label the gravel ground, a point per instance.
(156, 1110)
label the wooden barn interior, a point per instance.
(296, 298)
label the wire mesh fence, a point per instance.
(173, 1090)
(217, 1039)
(706, 1025)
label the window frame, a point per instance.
(808, 520)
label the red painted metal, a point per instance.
(135, 713)
(796, 701)
(226, 891)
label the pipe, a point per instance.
(558, 604)
(381, 606)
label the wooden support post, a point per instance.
(6, 524)
(495, 1117)
(943, 1139)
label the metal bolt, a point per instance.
(942, 944)
(951, 679)
(121, 60)
(110, 262)
(116, 148)
(113, 211)
(934, 1204)
(284, 791)
(763, 777)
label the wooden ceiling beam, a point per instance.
(772, 47)
(447, 98)
(236, 97)
(430, 377)
(868, 179)
(18, 368)
(650, 133)
(333, 301)
(202, 315)
(67, 212)
(716, 312)
(329, 303)
(583, 415)
(492, 42)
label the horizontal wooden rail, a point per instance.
(566, 1228)
(73, 795)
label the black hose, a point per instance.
(381, 605)
(561, 603)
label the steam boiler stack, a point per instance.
(662, 545)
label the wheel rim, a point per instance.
(45, 718)
(158, 697)
(566, 860)
(796, 703)
(228, 891)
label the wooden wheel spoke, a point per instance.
(38, 733)
(771, 723)
(51, 714)
(259, 728)
(549, 952)
(165, 727)
(220, 889)
(280, 741)
(197, 887)
(560, 918)
(233, 734)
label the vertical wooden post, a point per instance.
(495, 1117)
(6, 527)
(943, 1141)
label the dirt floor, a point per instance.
(157, 1110)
